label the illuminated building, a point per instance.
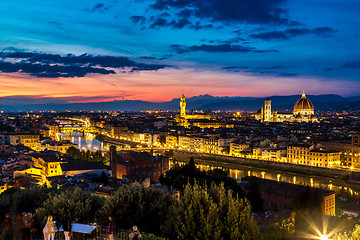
(182, 106)
(349, 152)
(138, 165)
(53, 146)
(171, 141)
(324, 158)
(303, 112)
(299, 153)
(238, 148)
(183, 118)
(26, 139)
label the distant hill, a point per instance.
(202, 102)
(281, 103)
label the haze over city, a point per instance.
(93, 51)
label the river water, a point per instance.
(87, 143)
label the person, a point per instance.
(67, 227)
(51, 228)
(135, 235)
(46, 232)
(7, 227)
(111, 228)
(27, 225)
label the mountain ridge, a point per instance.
(324, 102)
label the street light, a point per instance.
(324, 237)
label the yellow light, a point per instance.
(324, 237)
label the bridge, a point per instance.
(69, 126)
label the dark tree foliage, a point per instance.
(16, 201)
(79, 204)
(179, 176)
(86, 155)
(254, 196)
(6, 128)
(211, 214)
(146, 208)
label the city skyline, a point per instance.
(91, 51)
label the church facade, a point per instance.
(303, 112)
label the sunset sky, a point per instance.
(155, 50)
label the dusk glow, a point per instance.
(156, 50)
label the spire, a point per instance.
(303, 95)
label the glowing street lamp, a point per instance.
(324, 237)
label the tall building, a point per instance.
(303, 112)
(183, 119)
(182, 106)
(267, 112)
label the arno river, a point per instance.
(238, 172)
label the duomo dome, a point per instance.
(303, 106)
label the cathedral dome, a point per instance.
(303, 104)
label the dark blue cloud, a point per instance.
(296, 31)
(216, 48)
(323, 31)
(203, 14)
(55, 65)
(138, 19)
(270, 35)
(100, 7)
(158, 22)
(352, 64)
(227, 11)
(278, 70)
(293, 32)
(51, 71)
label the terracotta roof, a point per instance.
(77, 164)
(303, 103)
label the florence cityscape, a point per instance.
(180, 119)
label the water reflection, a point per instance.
(87, 143)
(317, 182)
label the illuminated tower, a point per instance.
(182, 106)
(267, 111)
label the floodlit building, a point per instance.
(303, 112)
(138, 165)
(299, 153)
(26, 139)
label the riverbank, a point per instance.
(233, 162)
(345, 189)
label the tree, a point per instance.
(79, 204)
(254, 195)
(212, 213)
(146, 208)
(104, 178)
(16, 201)
(179, 176)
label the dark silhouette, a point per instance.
(254, 195)
(67, 227)
(7, 227)
(26, 218)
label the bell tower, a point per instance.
(267, 111)
(182, 106)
